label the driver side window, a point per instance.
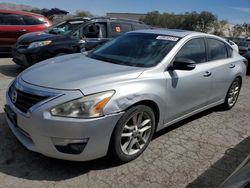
(95, 30)
(194, 50)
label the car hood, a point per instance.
(39, 36)
(76, 71)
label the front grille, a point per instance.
(24, 101)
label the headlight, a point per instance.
(86, 107)
(39, 44)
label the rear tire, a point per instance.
(132, 133)
(232, 94)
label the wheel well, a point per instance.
(150, 104)
(153, 106)
(239, 78)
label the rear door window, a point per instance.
(29, 20)
(216, 49)
(118, 29)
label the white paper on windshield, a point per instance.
(167, 38)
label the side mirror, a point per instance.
(183, 64)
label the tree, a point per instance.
(36, 10)
(219, 28)
(206, 20)
(190, 20)
(246, 27)
(237, 30)
(152, 18)
(82, 13)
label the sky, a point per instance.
(234, 11)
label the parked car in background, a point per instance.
(80, 107)
(233, 44)
(244, 50)
(244, 47)
(70, 37)
(13, 24)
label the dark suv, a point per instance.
(69, 37)
(244, 50)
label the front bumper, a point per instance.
(38, 131)
(26, 57)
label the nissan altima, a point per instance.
(112, 100)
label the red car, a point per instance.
(13, 24)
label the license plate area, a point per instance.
(11, 115)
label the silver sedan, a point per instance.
(112, 100)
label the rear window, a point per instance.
(29, 20)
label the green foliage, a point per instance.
(82, 13)
(190, 20)
(220, 27)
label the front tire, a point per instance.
(132, 133)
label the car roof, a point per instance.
(116, 19)
(78, 19)
(20, 13)
(170, 32)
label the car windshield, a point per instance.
(64, 28)
(135, 49)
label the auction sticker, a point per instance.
(170, 38)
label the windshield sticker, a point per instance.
(167, 38)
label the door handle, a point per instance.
(231, 66)
(207, 74)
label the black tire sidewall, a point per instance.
(226, 104)
(116, 137)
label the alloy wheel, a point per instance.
(233, 93)
(136, 133)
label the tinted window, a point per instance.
(96, 30)
(135, 49)
(195, 50)
(119, 28)
(217, 49)
(10, 19)
(33, 21)
(229, 51)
